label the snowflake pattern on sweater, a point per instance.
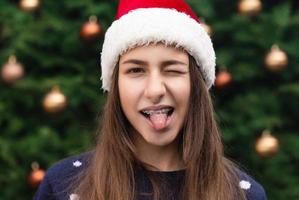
(58, 178)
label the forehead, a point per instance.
(155, 51)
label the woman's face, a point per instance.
(154, 87)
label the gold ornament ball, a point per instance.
(29, 5)
(223, 79)
(91, 30)
(250, 7)
(276, 59)
(36, 175)
(55, 101)
(12, 71)
(267, 145)
(208, 29)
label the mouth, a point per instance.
(166, 110)
(159, 117)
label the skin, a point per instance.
(151, 76)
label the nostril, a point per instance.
(155, 90)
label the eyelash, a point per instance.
(138, 70)
(175, 71)
(133, 70)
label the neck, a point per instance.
(160, 158)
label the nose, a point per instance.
(155, 88)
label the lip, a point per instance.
(158, 107)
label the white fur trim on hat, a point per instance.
(150, 25)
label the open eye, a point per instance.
(135, 70)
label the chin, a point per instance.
(159, 143)
(162, 140)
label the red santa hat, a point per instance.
(142, 22)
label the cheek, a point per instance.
(129, 92)
(181, 89)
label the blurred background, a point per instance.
(51, 97)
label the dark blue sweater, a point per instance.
(59, 177)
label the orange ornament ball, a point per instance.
(29, 5)
(12, 71)
(91, 30)
(208, 29)
(267, 145)
(36, 175)
(250, 7)
(55, 101)
(276, 60)
(223, 79)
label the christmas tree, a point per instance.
(51, 97)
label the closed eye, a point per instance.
(176, 72)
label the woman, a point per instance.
(159, 138)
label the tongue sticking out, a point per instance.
(158, 120)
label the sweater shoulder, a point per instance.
(253, 189)
(62, 176)
(69, 166)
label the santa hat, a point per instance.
(141, 22)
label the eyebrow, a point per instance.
(164, 63)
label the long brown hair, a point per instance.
(208, 174)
